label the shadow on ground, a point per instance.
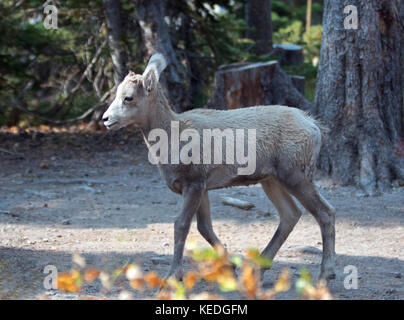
(21, 274)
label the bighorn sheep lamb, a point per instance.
(287, 143)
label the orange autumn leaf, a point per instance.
(91, 274)
(69, 281)
(164, 295)
(322, 294)
(249, 281)
(211, 275)
(283, 283)
(137, 284)
(269, 294)
(190, 279)
(153, 280)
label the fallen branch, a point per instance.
(245, 205)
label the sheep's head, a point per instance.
(134, 95)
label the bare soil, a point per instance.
(96, 194)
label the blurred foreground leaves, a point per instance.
(212, 265)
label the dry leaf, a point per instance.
(249, 281)
(283, 283)
(69, 281)
(44, 165)
(91, 274)
(137, 284)
(153, 280)
(134, 272)
(190, 279)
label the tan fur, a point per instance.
(288, 143)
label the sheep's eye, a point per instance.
(128, 99)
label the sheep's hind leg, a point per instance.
(308, 196)
(289, 215)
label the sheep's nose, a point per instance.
(105, 119)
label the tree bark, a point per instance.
(112, 10)
(194, 70)
(150, 15)
(258, 18)
(359, 93)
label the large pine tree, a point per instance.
(359, 92)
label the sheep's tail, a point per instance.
(324, 129)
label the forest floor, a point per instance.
(96, 194)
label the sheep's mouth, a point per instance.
(110, 125)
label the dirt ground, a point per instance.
(96, 194)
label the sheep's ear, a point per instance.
(155, 67)
(149, 80)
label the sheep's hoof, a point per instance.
(328, 274)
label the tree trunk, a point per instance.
(241, 85)
(112, 10)
(150, 14)
(194, 70)
(359, 93)
(258, 18)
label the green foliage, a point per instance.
(292, 33)
(40, 67)
(312, 42)
(289, 27)
(42, 70)
(215, 36)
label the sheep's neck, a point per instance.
(161, 114)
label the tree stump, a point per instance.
(246, 84)
(288, 54)
(299, 82)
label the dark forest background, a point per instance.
(64, 73)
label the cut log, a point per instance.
(241, 204)
(251, 84)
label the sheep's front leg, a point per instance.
(191, 200)
(204, 221)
